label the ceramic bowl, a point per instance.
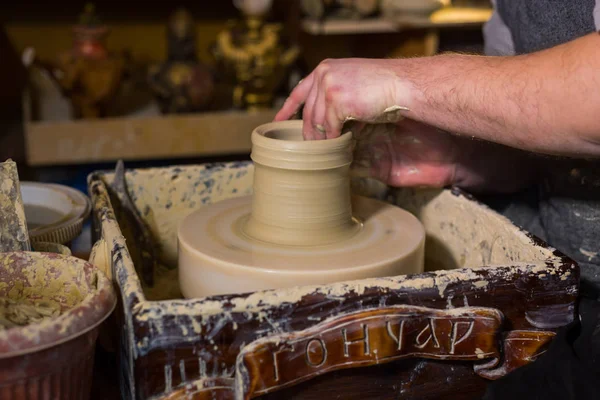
(54, 213)
(51, 358)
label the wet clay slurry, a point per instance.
(301, 225)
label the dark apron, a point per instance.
(564, 210)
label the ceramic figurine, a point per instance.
(181, 84)
(88, 74)
(252, 56)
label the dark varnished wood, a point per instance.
(368, 338)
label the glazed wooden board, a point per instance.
(490, 301)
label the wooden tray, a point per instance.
(490, 302)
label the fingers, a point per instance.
(308, 130)
(321, 120)
(318, 114)
(296, 98)
(315, 107)
(333, 124)
(326, 101)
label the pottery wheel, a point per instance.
(389, 242)
(301, 226)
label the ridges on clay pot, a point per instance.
(301, 188)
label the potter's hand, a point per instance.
(346, 89)
(407, 153)
(412, 154)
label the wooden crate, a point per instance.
(490, 301)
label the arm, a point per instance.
(546, 102)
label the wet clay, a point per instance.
(301, 225)
(301, 188)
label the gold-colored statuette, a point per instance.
(252, 55)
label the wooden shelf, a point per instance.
(347, 27)
(446, 18)
(145, 138)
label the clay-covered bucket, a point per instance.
(51, 306)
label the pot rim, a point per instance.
(292, 152)
(79, 320)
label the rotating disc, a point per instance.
(216, 257)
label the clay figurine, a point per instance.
(181, 84)
(88, 74)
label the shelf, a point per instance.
(348, 27)
(450, 17)
(146, 138)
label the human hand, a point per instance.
(407, 153)
(366, 90)
(412, 154)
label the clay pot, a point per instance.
(52, 359)
(303, 190)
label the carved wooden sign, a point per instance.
(367, 338)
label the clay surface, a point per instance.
(300, 226)
(301, 188)
(220, 259)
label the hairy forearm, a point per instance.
(546, 102)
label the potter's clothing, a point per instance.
(520, 27)
(563, 209)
